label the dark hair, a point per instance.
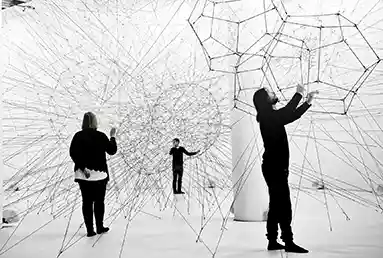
(89, 121)
(177, 140)
(262, 103)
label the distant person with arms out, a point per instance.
(178, 163)
(87, 150)
(275, 164)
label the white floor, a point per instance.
(174, 234)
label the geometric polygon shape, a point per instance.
(227, 30)
(245, 84)
(327, 53)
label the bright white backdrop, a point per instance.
(138, 65)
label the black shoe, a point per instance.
(180, 192)
(102, 230)
(90, 234)
(293, 248)
(274, 245)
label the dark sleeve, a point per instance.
(290, 113)
(110, 145)
(171, 151)
(75, 152)
(188, 153)
(292, 105)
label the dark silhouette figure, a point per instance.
(87, 150)
(178, 165)
(275, 165)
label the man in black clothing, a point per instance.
(275, 165)
(178, 161)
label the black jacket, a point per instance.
(88, 148)
(178, 155)
(272, 125)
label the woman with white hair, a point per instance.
(87, 150)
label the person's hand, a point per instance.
(311, 95)
(113, 132)
(86, 173)
(300, 89)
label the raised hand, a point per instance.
(311, 95)
(86, 173)
(300, 89)
(113, 132)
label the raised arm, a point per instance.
(296, 114)
(110, 145)
(171, 151)
(290, 112)
(292, 105)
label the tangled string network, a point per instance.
(318, 51)
(157, 70)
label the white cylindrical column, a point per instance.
(1, 128)
(250, 190)
(249, 187)
(1, 159)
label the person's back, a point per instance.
(93, 146)
(87, 150)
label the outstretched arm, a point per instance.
(189, 153)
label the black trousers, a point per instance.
(93, 192)
(178, 172)
(280, 211)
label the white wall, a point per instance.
(3, 54)
(139, 35)
(1, 124)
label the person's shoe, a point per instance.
(293, 248)
(90, 234)
(274, 245)
(102, 230)
(180, 192)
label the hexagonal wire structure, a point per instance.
(322, 52)
(326, 53)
